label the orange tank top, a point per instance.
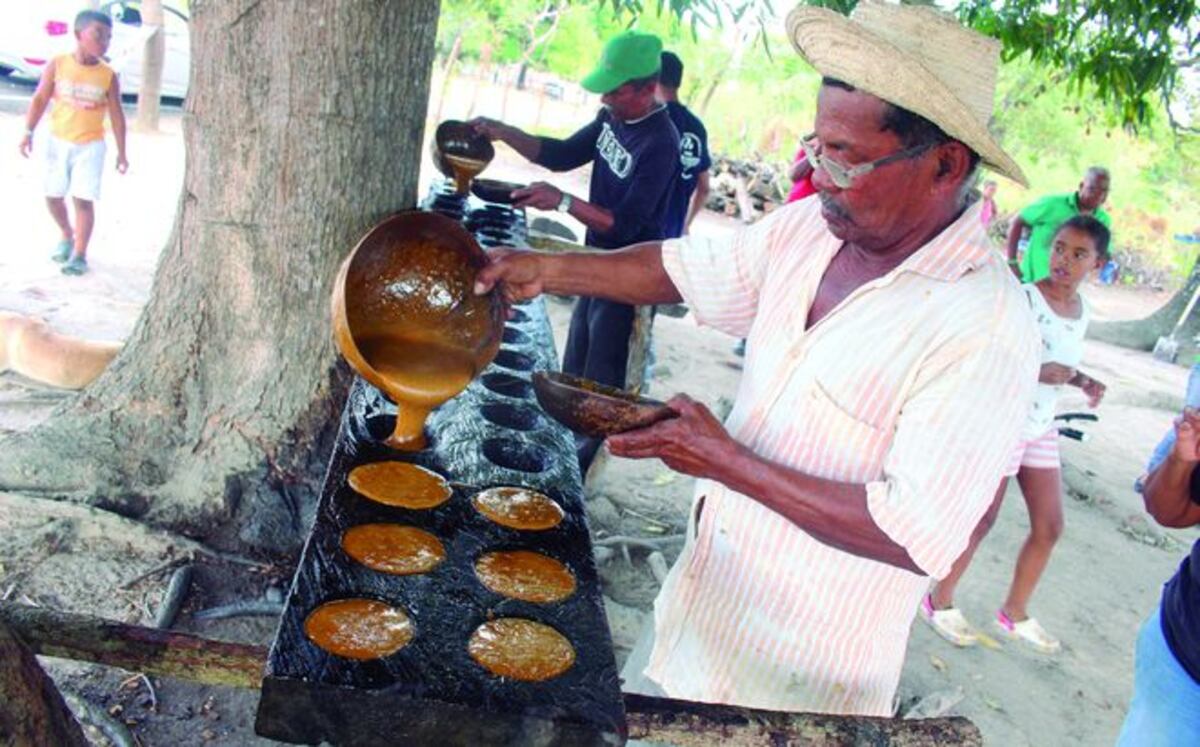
(80, 99)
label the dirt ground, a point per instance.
(1103, 580)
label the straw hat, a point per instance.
(916, 58)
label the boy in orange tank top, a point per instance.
(83, 88)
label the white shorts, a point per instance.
(73, 169)
(1039, 453)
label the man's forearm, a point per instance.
(118, 128)
(633, 275)
(529, 146)
(1167, 493)
(37, 107)
(835, 513)
(594, 217)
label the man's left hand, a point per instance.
(695, 443)
(538, 195)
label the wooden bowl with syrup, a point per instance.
(594, 409)
(460, 152)
(406, 318)
(495, 190)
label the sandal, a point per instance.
(1029, 631)
(75, 266)
(949, 623)
(62, 251)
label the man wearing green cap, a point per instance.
(634, 151)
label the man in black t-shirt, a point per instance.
(634, 152)
(694, 161)
(1165, 708)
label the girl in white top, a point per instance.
(1080, 246)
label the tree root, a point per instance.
(97, 523)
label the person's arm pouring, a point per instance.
(529, 146)
(633, 275)
(37, 107)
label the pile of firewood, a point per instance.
(746, 189)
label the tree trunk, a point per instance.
(152, 66)
(302, 129)
(1141, 334)
(32, 711)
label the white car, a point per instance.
(32, 32)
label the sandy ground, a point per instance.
(1103, 580)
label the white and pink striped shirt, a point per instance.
(916, 385)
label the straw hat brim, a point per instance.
(840, 48)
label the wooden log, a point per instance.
(67, 635)
(32, 711)
(661, 720)
(688, 724)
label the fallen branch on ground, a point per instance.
(67, 635)
(244, 608)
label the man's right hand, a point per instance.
(490, 128)
(518, 272)
(26, 145)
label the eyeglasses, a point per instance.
(844, 176)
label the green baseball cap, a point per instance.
(627, 56)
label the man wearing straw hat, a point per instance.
(890, 362)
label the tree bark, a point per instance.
(152, 66)
(1141, 334)
(302, 129)
(32, 711)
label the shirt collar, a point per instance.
(960, 248)
(646, 116)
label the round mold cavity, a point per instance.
(380, 425)
(515, 336)
(512, 416)
(514, 361)
(508, 385)
(516, 455)
(516, 316)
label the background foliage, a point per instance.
(1086, 85)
